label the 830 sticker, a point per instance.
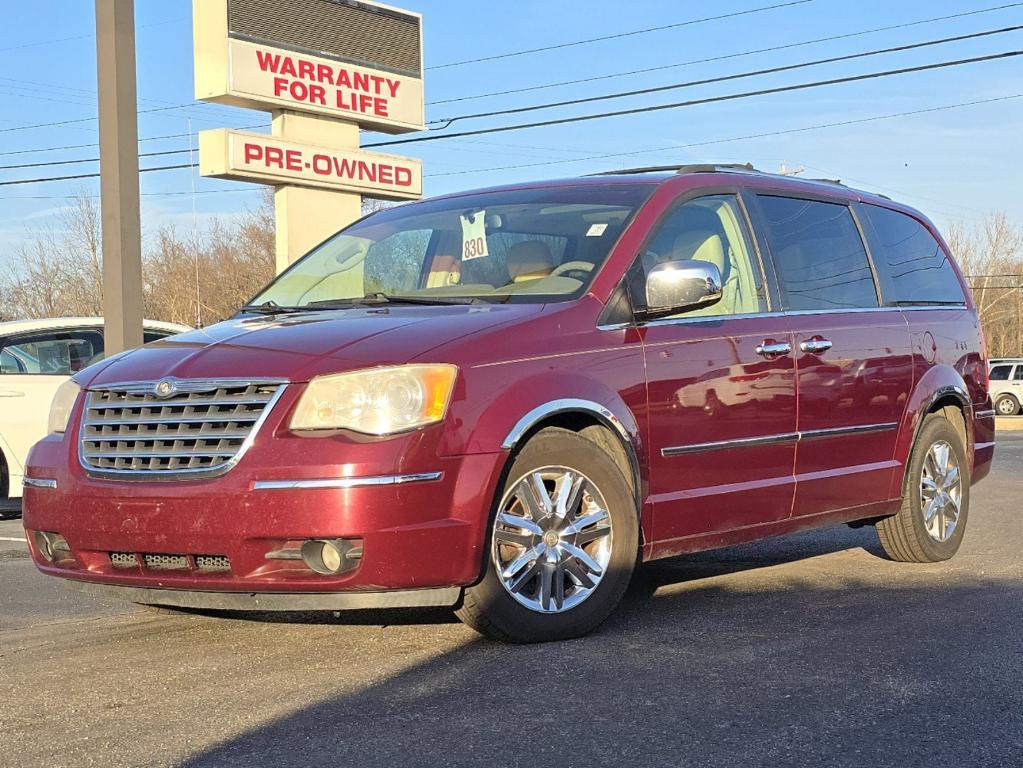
(474, 235)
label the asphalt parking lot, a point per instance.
(805, 651)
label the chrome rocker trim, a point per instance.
(345, 482)
(439, 597)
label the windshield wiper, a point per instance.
(378, 297)
(270, 307)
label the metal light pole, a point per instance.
(119, 174)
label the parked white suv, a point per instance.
(36, 357)
(1007, 386)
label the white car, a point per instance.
(36, 357)
(1006, 376)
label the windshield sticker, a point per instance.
(596, 230)
(474, 235)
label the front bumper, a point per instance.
(424, 530)
(438, 597)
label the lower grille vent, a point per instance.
(160, 561)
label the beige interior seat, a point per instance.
(529, 260)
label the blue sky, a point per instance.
(955, 164)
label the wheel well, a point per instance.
(5, 483)
(952, 409)
(591, 427)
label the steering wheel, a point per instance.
(577, 270)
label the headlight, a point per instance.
(60, 408)
(379, 401)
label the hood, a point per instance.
(300, 346)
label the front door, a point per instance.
(853, 358)
(720, 386)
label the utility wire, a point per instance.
(619, 35)
(709, 142)
(724, 57)
(623, 94)
(94, 144)
(707, 100)
(745, 137)
(725, 78)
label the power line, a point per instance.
(709, 142)
(745, 137)
(37, 150)
(618, 35)
(707, 100)
(724, 57)
(92, 175)
(86, 119)
(724, 78)
(623, 94)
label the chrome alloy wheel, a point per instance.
(552, 539)
(941, 491)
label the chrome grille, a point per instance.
(201, 427)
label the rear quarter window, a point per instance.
(911, 264)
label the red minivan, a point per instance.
(504, 400)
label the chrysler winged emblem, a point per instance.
(165, 388)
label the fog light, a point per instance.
(52, 546)
(329, 556)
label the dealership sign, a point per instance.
(324, 69)
(256, 157)
(350, 60)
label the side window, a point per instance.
(59, 353)
(1000, 373)
(1018, 373)
(911, 264)
(818, 254)
(710, 229)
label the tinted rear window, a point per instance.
(818, 254)
(911, 265)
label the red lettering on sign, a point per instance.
(305, 69)
(280, 86)
(274, 156)
(403, 177)
(253, 152)
(268, 61)
(321, 165)
(293, 160)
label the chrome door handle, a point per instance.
(815, 345)
(773, 349)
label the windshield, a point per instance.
(531, 245)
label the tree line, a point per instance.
(200, 278)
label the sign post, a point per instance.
(323, 68)
(119, 175)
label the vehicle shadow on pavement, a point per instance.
(761, 669)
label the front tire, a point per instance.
(561, 547)
(936, 499)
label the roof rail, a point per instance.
(692, 168)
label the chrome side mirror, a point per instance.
(674, 286)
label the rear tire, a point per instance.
(554, 570)
(1006, 405)
(936, 498)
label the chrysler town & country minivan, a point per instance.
(505, 400)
